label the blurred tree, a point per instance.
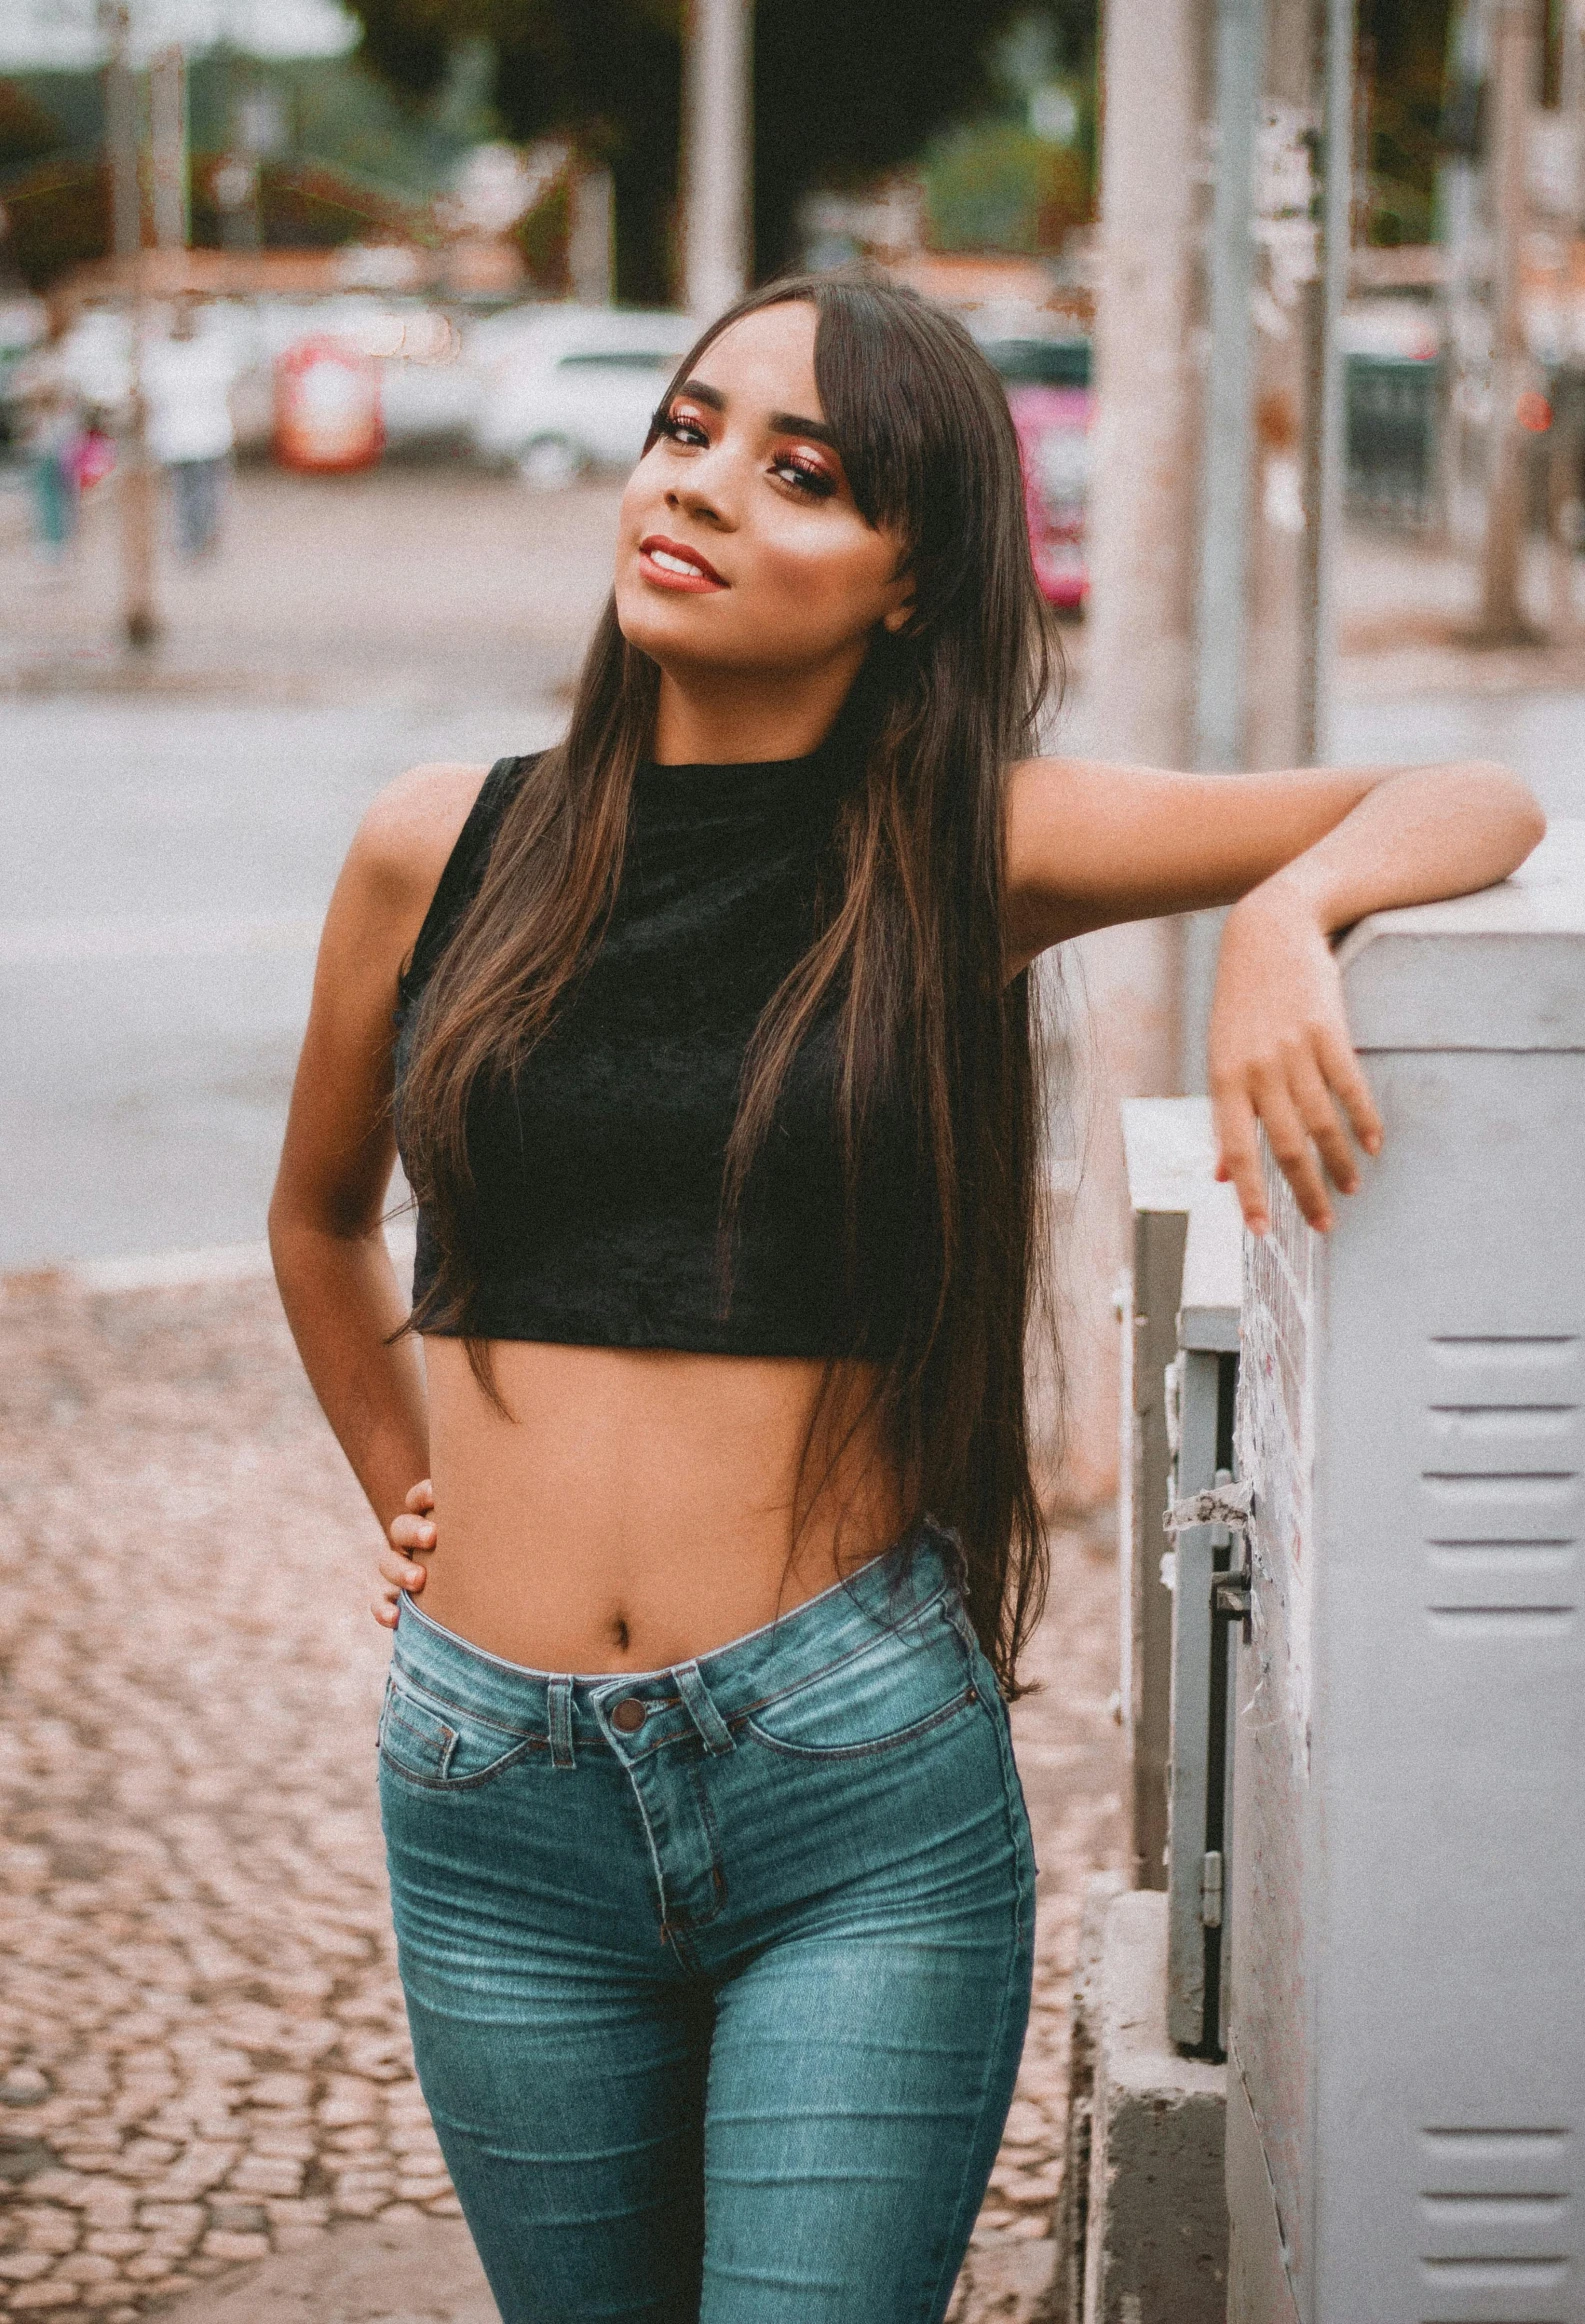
(840, 91)
(1018, 177)
(28, 129)
(605, 70)
(1403, 61)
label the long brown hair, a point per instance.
(910, 956)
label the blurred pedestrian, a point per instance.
(187, 381)
(715, 1080)
(52, 427)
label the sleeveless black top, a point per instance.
(598, 1170)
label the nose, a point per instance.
(705, 489)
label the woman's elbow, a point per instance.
(1516, 810)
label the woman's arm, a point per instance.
(337, 1283)
(1298, 856)
(1089, 845)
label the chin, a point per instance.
(668, 632)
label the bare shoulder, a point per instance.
(409, 830)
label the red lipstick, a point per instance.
(673, 565)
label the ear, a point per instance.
(901, 611)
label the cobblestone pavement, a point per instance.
(203, 2059)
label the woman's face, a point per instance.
(739, 544)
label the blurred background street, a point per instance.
(326, 334)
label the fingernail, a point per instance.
(413, 1576)
(1373, 1142)
(1258, 1225)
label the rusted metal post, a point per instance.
(135, 478)
(168, 147)
(1512, 32)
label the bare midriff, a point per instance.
(640, 1507)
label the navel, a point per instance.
(619, 1634)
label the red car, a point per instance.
(1048, 392)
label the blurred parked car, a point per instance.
(566, 388)
(428, 387)
(1048, 393)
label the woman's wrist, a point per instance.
(1301, 890)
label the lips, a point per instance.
(673, 565)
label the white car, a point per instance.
(566, 388)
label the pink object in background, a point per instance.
(1053, 425)
(93, 458)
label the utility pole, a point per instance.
(1465, 316)
(1565, 438)
(168, 148)
(1283, 92)
(591, 237)
(1511, 91)
(1138, 705)
(1143, 501)
(134, 480)
(717, 153)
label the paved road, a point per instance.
(168, 868)
(169, 852)
(1543, 735)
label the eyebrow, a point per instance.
(781, 423)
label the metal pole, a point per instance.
(591, 245)
(1513, 47)
(1224, 533)
(1563, 442)
(168, 148)
(717, 97)
(1466, 324)
(135, 481)
(1325, 538)
(1225, 501)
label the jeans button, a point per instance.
(628, 1715)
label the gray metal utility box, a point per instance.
(1406, 2081)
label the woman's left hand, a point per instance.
(1280, 1055)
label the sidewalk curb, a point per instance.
(177, 1270)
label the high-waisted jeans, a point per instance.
(717, 1976)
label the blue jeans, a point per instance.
(717, 1976)
(196, 488)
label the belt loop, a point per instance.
(560, 1705)
(717, 1735)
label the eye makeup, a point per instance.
(802, 467)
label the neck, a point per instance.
(730, 717)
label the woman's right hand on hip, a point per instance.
(412, 1536)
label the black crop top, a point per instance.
(598, 1171)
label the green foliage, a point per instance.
(992, 185)
(840, 91)
(28, 129)
(1403, 67)
(60, 216)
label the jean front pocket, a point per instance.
(900, 1686)
(427, 1740)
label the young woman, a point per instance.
(705, 1037)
